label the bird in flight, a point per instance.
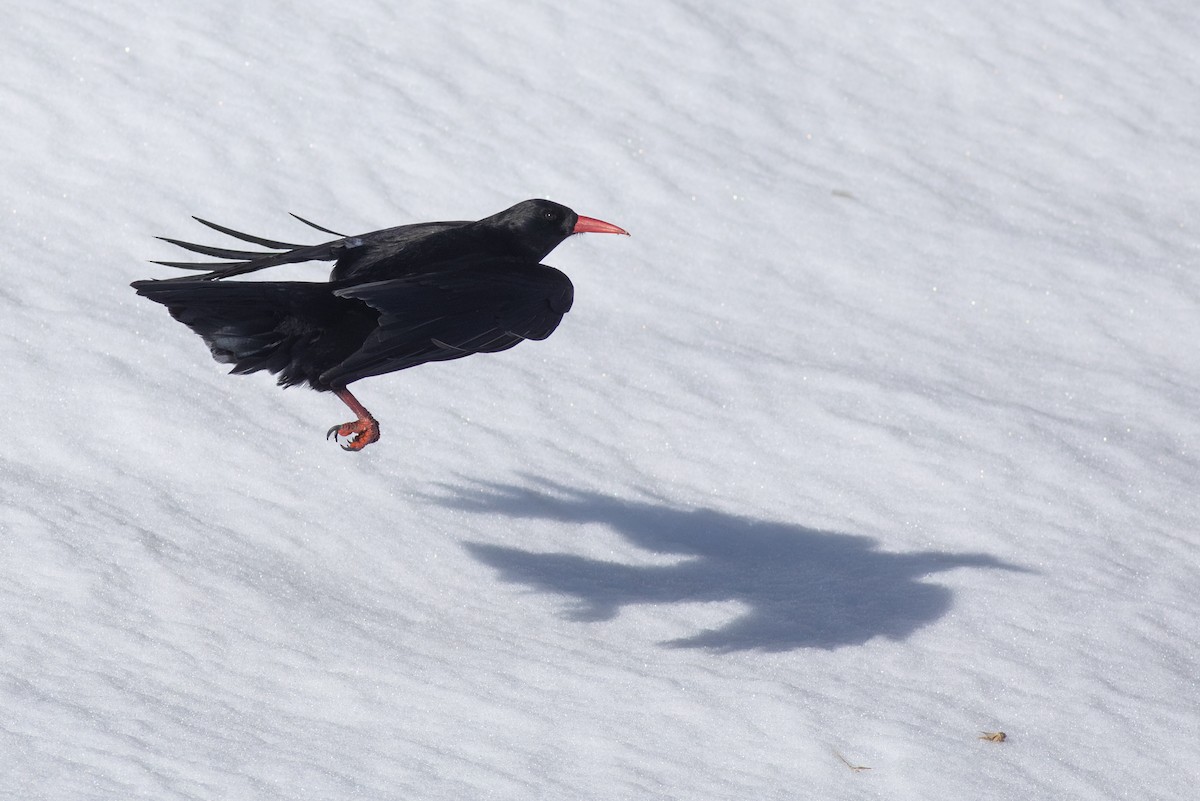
(395, 299)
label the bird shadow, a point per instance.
(801, 588)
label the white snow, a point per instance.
(881, 430)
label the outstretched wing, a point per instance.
(350, 252)
(480, 306)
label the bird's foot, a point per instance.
(358, 434)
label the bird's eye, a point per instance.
(549, 215)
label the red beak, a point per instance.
(589, 225)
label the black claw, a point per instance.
(332, 433)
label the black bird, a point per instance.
(396, 298)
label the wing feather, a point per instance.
(483, 305)
(354, 254)
(256, 240)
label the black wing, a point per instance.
(352, 253)
(484, 306)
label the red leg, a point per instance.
(362, 432)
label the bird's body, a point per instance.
(396, 298)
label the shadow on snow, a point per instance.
(802, 588)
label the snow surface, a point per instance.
(881, 431)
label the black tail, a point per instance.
(285, 328)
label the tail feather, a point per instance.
(280, 327)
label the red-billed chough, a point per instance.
(396, 298)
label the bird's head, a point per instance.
(537, 227)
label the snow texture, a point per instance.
(881, 430)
